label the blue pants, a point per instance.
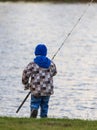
(41, 102)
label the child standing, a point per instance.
(38, 77)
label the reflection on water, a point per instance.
(22, 26)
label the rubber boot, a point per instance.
(34, 113)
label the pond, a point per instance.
(22, 27)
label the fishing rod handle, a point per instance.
(23, 102)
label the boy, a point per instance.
(38, 77)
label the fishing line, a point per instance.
(59, 48)
(84, 12)
(68, 35)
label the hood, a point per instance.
(42, 61)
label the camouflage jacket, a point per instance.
(40, 80)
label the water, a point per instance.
(22, 26)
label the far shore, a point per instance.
(54, 1)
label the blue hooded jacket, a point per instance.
(42, 61)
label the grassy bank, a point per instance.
(7, 123)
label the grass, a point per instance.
(10, 123)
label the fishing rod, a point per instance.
(23, 102)
(68, 35)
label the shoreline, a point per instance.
(12, 123)
(52, 1)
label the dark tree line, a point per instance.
(68, 1)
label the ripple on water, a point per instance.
(22, 26)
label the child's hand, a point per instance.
(26, 87)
